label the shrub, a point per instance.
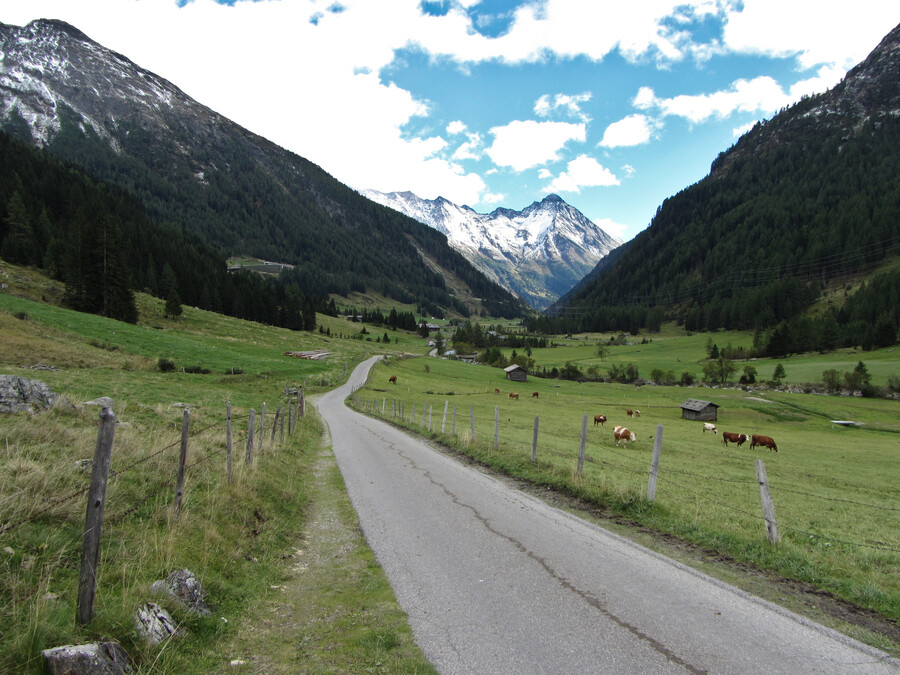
(165, 365)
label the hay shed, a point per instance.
(695, 409)
(516, 373)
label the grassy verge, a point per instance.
(834, 487)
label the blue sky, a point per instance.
(612, 105)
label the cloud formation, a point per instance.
(525, 144)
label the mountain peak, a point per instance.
(539, 253)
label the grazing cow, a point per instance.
(534, 394)
(514, 395)
(623, 434)
(496, 391)
(599, 419)
(728, 437)
(709, 427)
(637, 413)
(756, 439)
(629, 412)
(392, 379)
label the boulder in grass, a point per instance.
(154, 624)
(97, 658)
(103, 402)
(184, 587)
(18, 394)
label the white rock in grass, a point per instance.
(104, 658)
(154, 624)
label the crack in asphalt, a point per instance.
(589, 598)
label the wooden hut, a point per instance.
(695, 409)
(516, 373)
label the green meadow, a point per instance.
(241, 538)
(835, 488)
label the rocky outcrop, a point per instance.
(18, 394)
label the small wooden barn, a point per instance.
(695, 409)
(516, 373)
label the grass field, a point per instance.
(836, 496)
(238, 538)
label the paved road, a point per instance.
(496, 581)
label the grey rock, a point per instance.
(103, 658)
(18, 394)
(184, 587)
(103, 402)
(154, 624)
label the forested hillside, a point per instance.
(98, 240)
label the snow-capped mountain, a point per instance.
(538, 253)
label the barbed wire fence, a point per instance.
(216, 432)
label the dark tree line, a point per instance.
(98, 240)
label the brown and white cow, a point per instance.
(392, 379)
(729, 437)
(514, 395)
(534, 394)
(766, 441)
(599, 419)
(707, 426)
(629, 412)
(623, 434)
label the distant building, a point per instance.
(516, 373)
(695, 409)
(468, 358)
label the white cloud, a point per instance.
(761, 94)
(571, 105)
(611, 227)
(525, 144)
(583, 171)
(456, 127)
(632, 130)
(473, 148)
(493, 198)
(833, 34)
(741, 130)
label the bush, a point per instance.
(165, 366)
(197, 370)
(687, 379)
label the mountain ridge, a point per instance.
(243, 194)
(539, 252)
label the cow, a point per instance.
(767, 441)
(623, 434)
(709, 427)
(534, 394)
(599, 419)
(392, 379)
(728, 437)
(629, 412)
(496, 391)
(514, 395)
(637, 413)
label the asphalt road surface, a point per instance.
(497, 581)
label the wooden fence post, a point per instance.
(275, 423)
(496, 427)
(534, 441)
(281, 426)
(472, 421)
(453, 431)
(302, 405)
(182, 460)
(768, 507)
(228, 440)
(581, 446)
(412, 415)
(93, 520)
(654, 466)
(444, 421)
(424, 411)
(251, 427)
(262, 428)
(429, 418)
